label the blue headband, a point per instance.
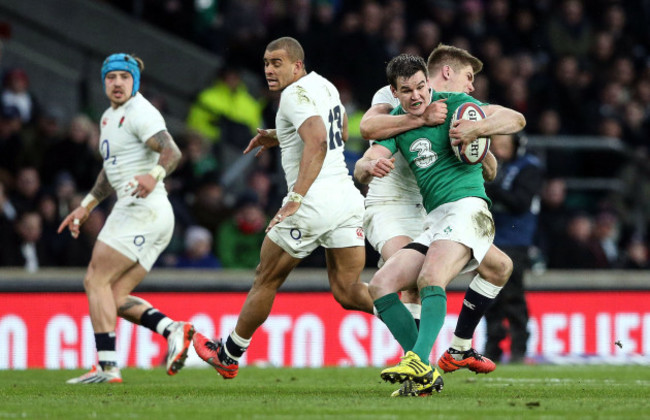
(122, 62)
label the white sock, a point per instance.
(163, 324)
(107, 357)
(461, 344)
(243, 343)
(484, 287)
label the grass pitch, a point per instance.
(539, 391)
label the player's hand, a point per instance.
(381, 167)
(73, 221)
(463, 131)
(264, 138)
(142, 185)
(435, 113)
(287, 210)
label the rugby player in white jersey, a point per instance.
(138, 153)
(323, 207)
(394, 214)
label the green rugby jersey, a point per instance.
(441, 177)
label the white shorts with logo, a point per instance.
(139, 229)
(382, 222)
(327, 218)
(467, 221)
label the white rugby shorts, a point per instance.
(331, 219)
(467, 221)
(382, 222)
(139, 229)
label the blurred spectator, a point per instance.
(366, 70)
(632, 201)
(38, 137)
(614, 21)
(27, 191)
(472, 19)
(576, 251)
(197, 162)
(636, 255)
(570, 32)
(553, 217)
(605, 240)
(24, 248)
(240, 238)
(16, 93)
(53, 243)
(636, 125)
(209, 208)
(7, 213)
(74, 155)
(601, 56)
(549, 123)
(395, 35)
(270, 191)
(566, 94)
(198, 249)
(426, 37)
(11, 140)
(226, 113)
(515, 208)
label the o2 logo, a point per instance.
(105, 149)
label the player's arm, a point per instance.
(489, 167)
(377, 161)
(499, 120)
(314, 134)
(345, 133)
(163, 143)
(97, 194)
(377, 123)
(264, 139)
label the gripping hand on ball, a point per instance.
(465, 132)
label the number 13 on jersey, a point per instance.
(336, 123)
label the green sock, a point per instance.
(434, 310)
(398, 319)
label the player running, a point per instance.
(138, 153)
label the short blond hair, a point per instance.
(454, 57)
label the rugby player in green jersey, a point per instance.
(459, 228)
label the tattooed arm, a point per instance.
(163, 143)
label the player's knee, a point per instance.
(502, 271)
(410, 296)
(378, 286)
(345, 296)
(506, 270)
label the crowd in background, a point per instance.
(571, 67)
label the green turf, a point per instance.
(541, 391)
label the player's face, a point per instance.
(280, 71)
(119, 85)
(461, 81)
(413, 93)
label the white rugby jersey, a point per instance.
(123, 133)
(400, 185)
(309, 96)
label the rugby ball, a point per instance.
(475, 152)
